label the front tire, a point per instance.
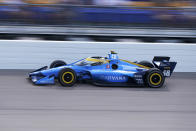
(67, 77)
(57, 63)
(155, 78)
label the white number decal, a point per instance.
(166, 72)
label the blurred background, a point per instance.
(99, 20)
(33, 33)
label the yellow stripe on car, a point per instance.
(72, 79)
(136, 64)
(97, 60)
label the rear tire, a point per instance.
(146, 63)
(155, 78)
(57, 63)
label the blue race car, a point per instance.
(106, 71)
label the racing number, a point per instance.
(166, 72)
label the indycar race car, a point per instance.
(106, 71)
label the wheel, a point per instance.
(67, 77)
(146, 63)
(57, 63)
(155, 78)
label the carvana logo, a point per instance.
(114, 78)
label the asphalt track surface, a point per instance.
(25, 107)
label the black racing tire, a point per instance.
(67, 77)
(146, 63)
(57, 63)
(154, 78)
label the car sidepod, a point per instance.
(118, 78)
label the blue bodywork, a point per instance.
(100, 71)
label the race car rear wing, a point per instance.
(163, 63)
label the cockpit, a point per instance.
(92, 61)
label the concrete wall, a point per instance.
(28, 54)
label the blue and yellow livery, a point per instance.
(106, 71)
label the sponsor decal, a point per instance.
(139, 81)
(167, 68)
(108, 67)
(139, 78)
(117, 78)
